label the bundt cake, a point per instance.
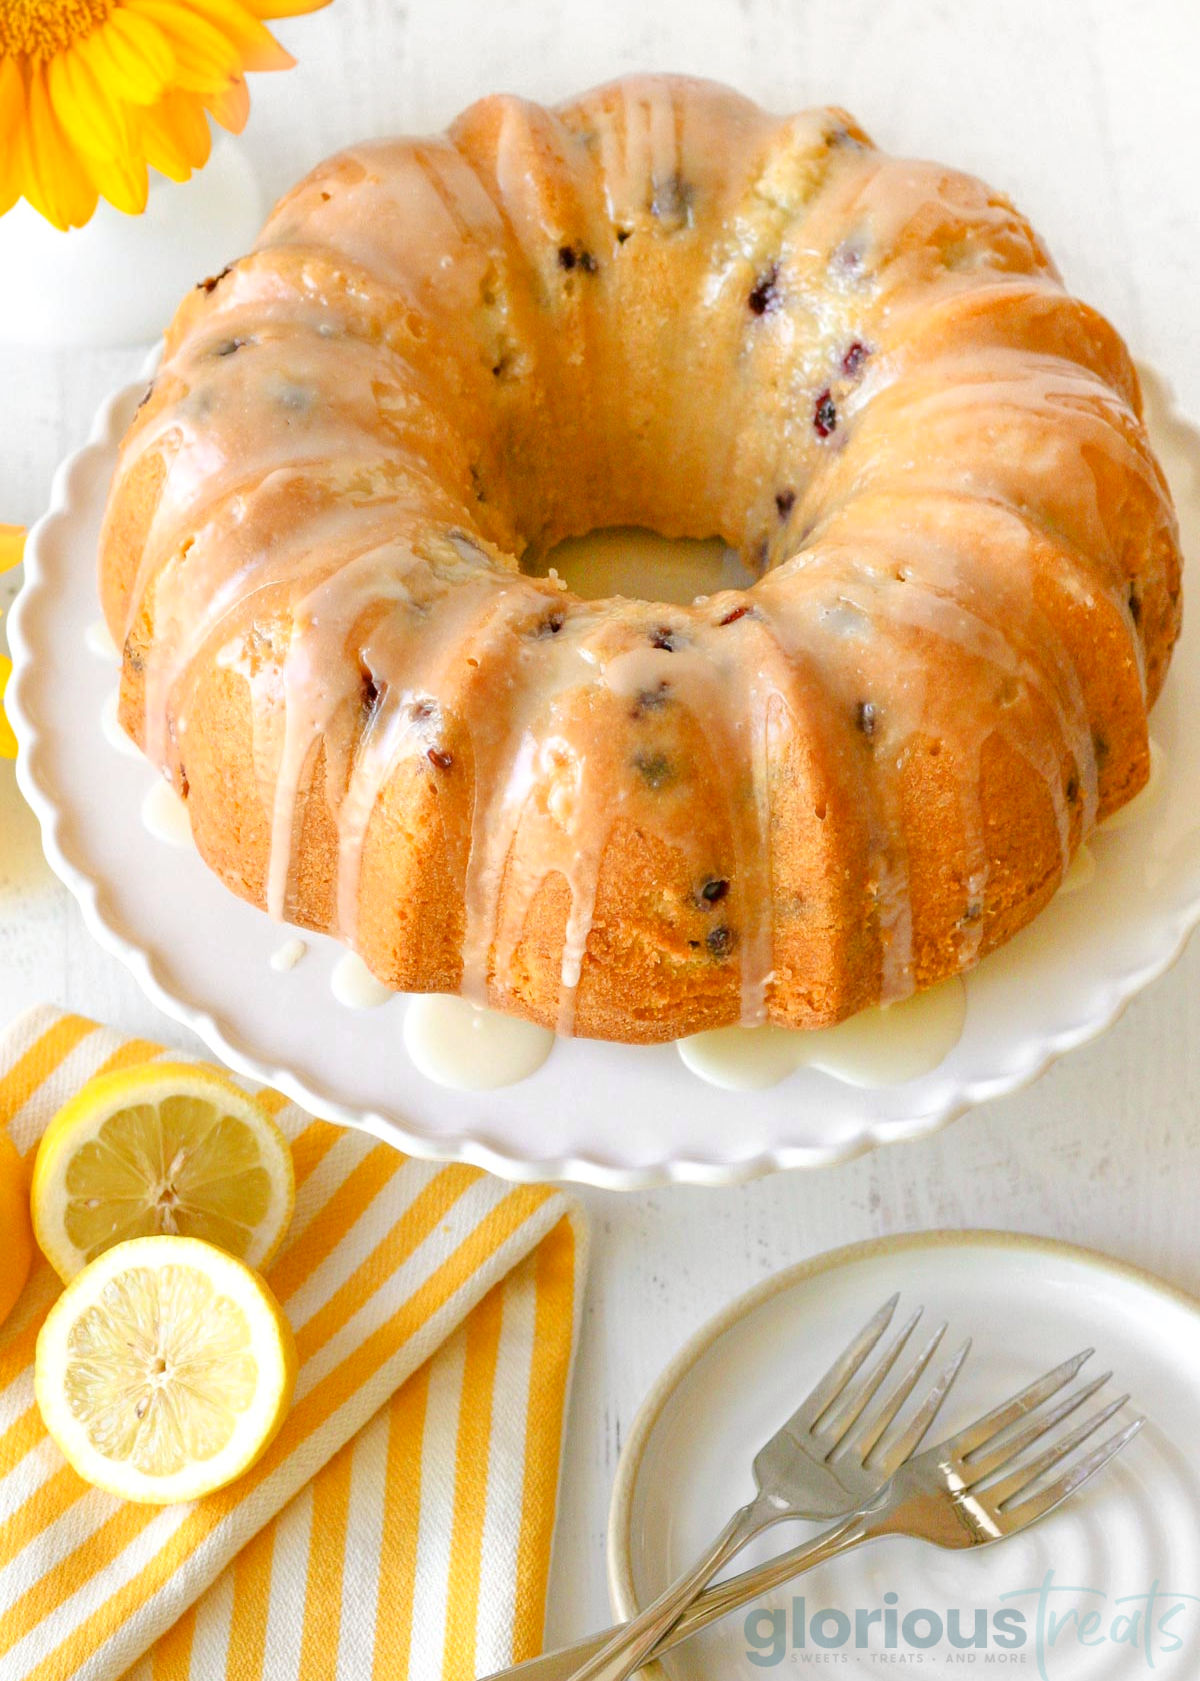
(653, 306)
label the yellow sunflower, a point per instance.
(12, 544)
(94, 91)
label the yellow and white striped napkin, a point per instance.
(400, 1525)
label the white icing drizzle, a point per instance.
(353, 984)
(460, 1045)
(285, 957)
(530, 747)
(363, 431)
(165, 816)
(877, 1047)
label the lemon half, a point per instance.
(164, 1370)
(167, 1149)
(16, 1237)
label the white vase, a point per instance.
(118, 280)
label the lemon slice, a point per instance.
(166, 1149)
(16, 1237)
(164, 1370)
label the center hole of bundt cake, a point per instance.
(642, 565)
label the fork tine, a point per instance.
(1010, 1412)
(911, 1437)
(874, 1421)
(857, 1396)
(1029, 1511)
(827, 1390)
(991, 1458)
(1009, 1487)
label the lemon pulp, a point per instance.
(159, 1369)
(161, 1150)
(165, 1369)
(170, 1169)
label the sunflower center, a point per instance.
(42, 28)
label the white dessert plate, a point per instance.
(611, 1115)
(1074, 1579)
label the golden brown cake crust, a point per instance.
(655, 305)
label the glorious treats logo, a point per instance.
(1043, 1628)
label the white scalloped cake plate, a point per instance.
(1027, 1303)
(617, 1116)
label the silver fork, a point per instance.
(966, 1492)
(835, 1452)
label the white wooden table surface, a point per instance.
(1087, 114)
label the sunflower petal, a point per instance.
(176, 137)
(56, 182)
(257, 47)
(130, 55)
(8, 741)
(123, 180)
(12, 98)
(12, 120)
(86, 112)
(232, 107)
(12, 546)
(205, 59)
(284, 8)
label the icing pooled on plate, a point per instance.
(166, 816)
(353, 984)
(458, 1044)
(285, 957)
(878, 1047)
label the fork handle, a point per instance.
(629, 1645)
(714, 1603)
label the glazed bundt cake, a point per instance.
(656, 306)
